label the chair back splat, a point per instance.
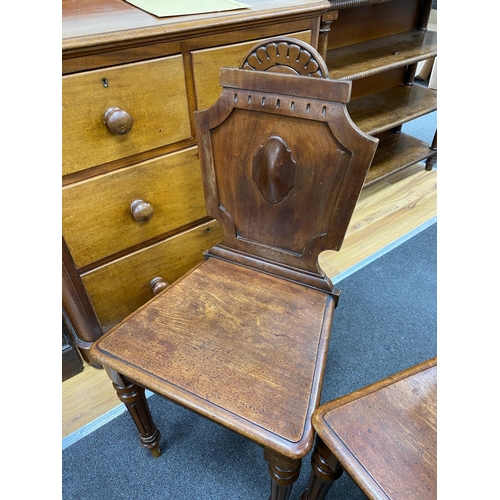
(283, 167)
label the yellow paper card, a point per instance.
(167, 8)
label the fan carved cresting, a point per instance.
(284, 57)
(274, 169)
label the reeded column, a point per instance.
(284, 472)
(134, 398)
(325, 470)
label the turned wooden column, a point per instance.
(284, 472)
(324, 29)
(134, 398)
(425, 12)
(325, 470)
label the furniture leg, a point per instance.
(431, 161)
(411, 70)
(134, 398)
(284, 472)
(325, 470)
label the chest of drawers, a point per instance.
(133, 211)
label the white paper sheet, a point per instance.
(167, 8)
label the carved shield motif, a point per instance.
(274, 169)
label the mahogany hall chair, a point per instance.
(242, 338)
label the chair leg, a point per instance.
(325, 470)
(284, 472)
(134, 398)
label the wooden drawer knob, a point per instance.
(118, 121)
(141, 210)
(157, 285)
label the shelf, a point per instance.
(376, 113)
(394, 153)
(361, 60)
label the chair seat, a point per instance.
(232, 353)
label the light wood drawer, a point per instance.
(97, 218)
(207, 64)
(153, 93)
(120, 287)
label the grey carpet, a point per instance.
(385, 322)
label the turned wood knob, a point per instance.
(118, 121)
(141, 210)
(157, 285)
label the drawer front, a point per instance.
(120, 287)
(207, 63)
(97, 216)
(153, 93)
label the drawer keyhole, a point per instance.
(105, 83)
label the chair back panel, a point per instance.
(283, 166)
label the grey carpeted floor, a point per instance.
(385, 322)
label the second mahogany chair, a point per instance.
(242, 338)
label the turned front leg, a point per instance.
(134, 398)
(284, 472)
(325, 470)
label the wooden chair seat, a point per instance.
(230, 353)
(384, 436)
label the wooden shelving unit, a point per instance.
(396, 152)
(377, 44)
(392, 107)
(382, 54)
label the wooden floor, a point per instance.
(385, 212)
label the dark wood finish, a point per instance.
(377, 45)
(71, 359)
(425, 12)
(77, 309)
(289, 56)
(376, 83)
(357, 61)
(347, 4)
(253, 237)
(158, 284)
(377, 113)
(141, 210)
(118, 121)
(383, 436)
(429, 165)
(395, 152)
(242, 338)
(213, 348)
(284, 472)
(361, 21)
(134, 398)
(325, 470)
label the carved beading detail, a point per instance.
(286, 105)
(348, 4)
